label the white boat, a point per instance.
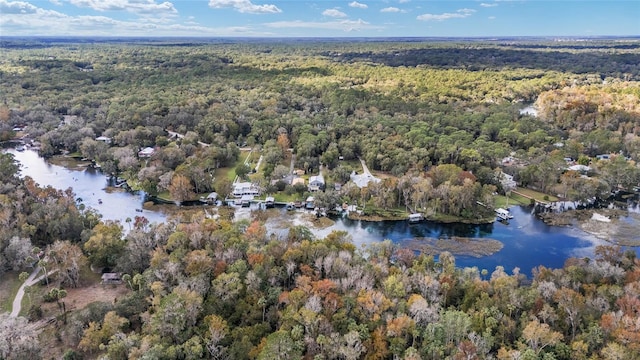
(416, 217)
(270, 201)
(503, 214)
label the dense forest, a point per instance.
(402, 107)
(437, 119)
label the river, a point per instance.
(88, 184)
(527, 241)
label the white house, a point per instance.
(104, 139)
(245, 188)
(363, 180)
(316, 183)
(507, 181)
(146, 152)
(580, 168)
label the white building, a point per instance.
(245, 188)
(146, 152)
(364, 179)
(104, 139)
(316, 183)
(507, 181)
(580, 168)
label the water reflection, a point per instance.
(89, 185)
(528, 242)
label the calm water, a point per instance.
(89, 185)
(528, 242)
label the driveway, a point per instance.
(32, 279)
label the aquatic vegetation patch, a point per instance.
(457, 245)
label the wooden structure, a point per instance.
(111, 279)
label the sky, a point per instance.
(294, 18)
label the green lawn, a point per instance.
(165, 195)
(230, 172)
(9, 285)
(283, 197)
(514, 199)
(536, 194)
(355, 164)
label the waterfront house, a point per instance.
(245, 188)
(506, 181)
(316, 183)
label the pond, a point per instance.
(527, 241)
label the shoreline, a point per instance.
(377, 218)
(610, 225)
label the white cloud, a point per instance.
(462, 13)
(491, 17)
(344, 25)
(403, 1)
(488, 5)
(334, 13)
(17, 7)
(56, 2)
(390, 9)
(135, 6)
(355, 4)
(20, 18)
(244, 6)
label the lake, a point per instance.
(528, 242)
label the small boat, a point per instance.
(310, 203)
(20, 148)
(415, 218)
(503, 214)
(270, 202)
(245, 200)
